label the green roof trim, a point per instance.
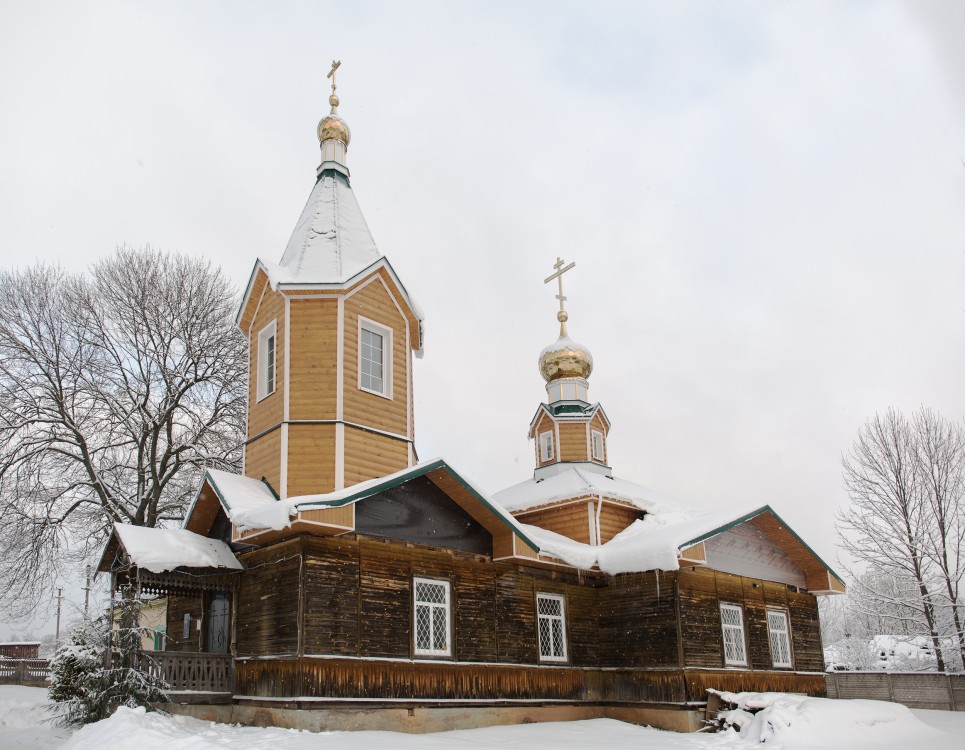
(414, 474)
(753, 514)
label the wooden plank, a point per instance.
(270, 410)
(311, 459)
(314, 363)
(572, 441)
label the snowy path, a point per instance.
(813, 724)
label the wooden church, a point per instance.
(340, 582)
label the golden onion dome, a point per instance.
(334, 127)
(565, 358)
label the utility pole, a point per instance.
(60, 596)
(87, 593)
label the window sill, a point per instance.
(386, 396)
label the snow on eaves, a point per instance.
(159, 550)
(651, 543)
(576, 482)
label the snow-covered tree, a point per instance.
(116, 387)
(905, 526)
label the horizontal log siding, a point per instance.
(178, 606)
(639, 621)
(270, 410)
(314, 361)
(374, 302)
(702, 590)
(573, 442)
(369, 455)
(311, 459)
(268, 597)
(331, 597)
(263, 458)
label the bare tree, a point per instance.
(886, 526)
(940, 454)
(116, 388)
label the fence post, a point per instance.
(22, 672)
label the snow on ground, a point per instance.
(25, 720)
(787, 722)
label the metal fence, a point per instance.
(32, 672)
(935, 690)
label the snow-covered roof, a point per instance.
(159, 550)
(251, 505)
(577, 482)
(331, 242)
(651, 543)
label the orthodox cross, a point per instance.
(560, 270)
(331, 73)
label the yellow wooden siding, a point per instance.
(263, 458)
(614, 519)
(257, 287)
(311, 459)
(571, 520)
(270, 410)
(314, 359)
(375, 303)
(341, 516)
(369, 455)
(572, 442)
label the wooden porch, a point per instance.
(193, 677)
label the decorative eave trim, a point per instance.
(414, 473)
(753, 514)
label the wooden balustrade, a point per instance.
(195, 672)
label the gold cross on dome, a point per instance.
(560, 270)
(331, 73)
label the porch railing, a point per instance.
(195, 672)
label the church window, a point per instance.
(431, 618)
(546, 446)
(732, 623)
(375, 358)
(779, 633)
(551, 621)
(266, 361)
(596, 439)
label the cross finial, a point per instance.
(562, 315)
(331, 73)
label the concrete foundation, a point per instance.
(437, 718)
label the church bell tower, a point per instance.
(332, 332)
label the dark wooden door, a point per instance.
(218, 624)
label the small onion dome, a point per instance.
(333, 127)
(565, 358)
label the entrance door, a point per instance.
(218, 624)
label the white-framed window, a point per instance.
(431, 617)
(779, 632)
(732, 624)
(596, 445)
(266, 360)
(546, 446)
(375, 358)
(551, 622)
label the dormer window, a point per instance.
(546, 446)
(266, 361)
(375, 358)
(596, 443)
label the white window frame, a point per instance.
(775, 636)
(551, 619)
(546, 452)
(596, 435)
(432, 607)
(270, 331)
(386, 333)
(736, 635)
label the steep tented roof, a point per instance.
(159, 550)
(578, 482)
(331, 242)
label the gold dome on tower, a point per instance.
(334, 127)
(565, 358)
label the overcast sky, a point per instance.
(765, 202)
